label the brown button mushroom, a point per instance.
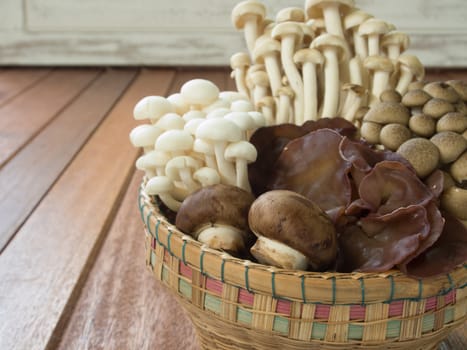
(218, 216)
(459, 169)
(442, 91)
(388, 112)
(293, 232)
(454, 200)
(453, 121)
(436, 108)
(390, 96)
(422, 154)
(460, 86)
(394, 135)
(415, 98)
(370, 132)
(450, 144)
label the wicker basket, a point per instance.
(237, 304)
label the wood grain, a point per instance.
(122, 306)
(26, 115)
(15, 81)
(27, 177)
(44, 267)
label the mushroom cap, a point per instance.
(454, 200)
(174, 140)
(390, 95)
(422, 154)
(441, 90)
(415, 98)
(436, 108)
(294, 14)
(265, 47)
(240, 60)
(154, 159)
(175, 164)
(328, 41)
(308, 34)
(288, 29)
(246, 10)
(241, 150)
(285, 91)
(215, 204)
(219, 129)
(199, 92)
(373, 26)
(258, 118)
(192, 125)
(170, 121)
(450, 144)
(158, 185)
(193, 114)
(218, 113)
(242, 119)
(396, 37)
(394, 135)
(459, 169)
(416, 85)
(242, 106)
(180, 106)
(370, 132)
(453, 121)
(144, 135)
(259, 78)
(378, 63)
(207, 176)
(203, 146)
(314, 8)
(294, 220)
(460, 86)
(413, 64)
(388, 112)
(422, 125)
(355, 18)
(308, 55)
(152, 107)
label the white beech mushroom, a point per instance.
(290, 35)
(334, 50)
(206, 149)
(331, 11)
(181, 169)
(154, 159)
(244, 121)
(351, 22)
(266, 106)
(178, 103)
(199, 93)
(207, 176)
(239, 62)
(267, 51)
(241, 153)
(294, 14)
(310, 60)
(242, 106)
(248, 15)
(395, 43)
(220, 132)
(145, 136)
(353, 101)
(170, 121)
(152, 108)
(285, 94)
(260, 82)
(176, 142)
(373, 29)
(410, 68)
(163, 187)
(381, 67)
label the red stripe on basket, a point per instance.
(322, 311)
(395, 308)
(283, 307)
(185, 270)
(153, 243)
(166, 256)
(450, 297)
(357, 312)
(431, 303)
(214, 286)
(245, 297)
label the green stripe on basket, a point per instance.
(449, 315)
(165, 274)
(212, 303)
(281, 325)
(153, 259)
(428, 323)
(355, 331)
(244, 316)
(318, 331)
(393, 329)
(185, 288)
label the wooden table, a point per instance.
(72, 267)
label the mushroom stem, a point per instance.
(272, 252)
(241, 167)
(283, 110)
(310, 87)
(355, 70)
(352, 102)
(274, 73)
(332, 19)
(187, 179)
(222, 237)
(226, 169)
(331, 76)
(359, 44)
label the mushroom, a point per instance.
(331, 11)
(285, 95)
(370, 132)
(373, 29)
(199, 93)
(220, 132)
(460, 86)
(395, 43)
(145, 136)
(266, 106)
(217, 215)
(290, 34)
(152, 108)
(181, 168)
(293, 232)
(422, 154)
(353, 100)
(266, 51)
(244, 121)
(415, 98)
(334, 50)
(422, 125)
(153, 163)
(351, 22)
(248, 15)
(294, 14)
(410, 68)
(218, 113)
(242, 106)
(393, 135)
(260, 83)
(178, 103)
(176, 142)
(450, 144)
(163, 186)
(458, 169)
(240, 62)
(193, 114)
(442, 91)
(390, 95)
(453, 121)
(436, 108)
(381, 68)
(170, 121)
(454, 200)
(388, 112)
(241, 153)
(206, 148)
(207, 176)
(309, 59)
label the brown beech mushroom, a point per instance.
(450, 144)
(217, 215)
(293, 232)
(454, 200)
(453, 121)
(373, 29)
(393, 135)
(436, 108)
(422, 154)
(459, 169)
(422, 125)
(410, 68)
(441, 90)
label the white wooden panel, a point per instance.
(188, 32)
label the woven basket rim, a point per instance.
(305, 286)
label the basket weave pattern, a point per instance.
(238, 304)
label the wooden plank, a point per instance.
(16, 81)
(44, 267)
(20, 186)
(446, 74)
(121, 305)
(24, 117)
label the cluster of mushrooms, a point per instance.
(333, 154)
(326, 59)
